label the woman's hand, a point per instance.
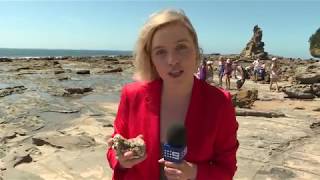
(128, 159)
(182, 171)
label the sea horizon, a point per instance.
(44, 52)
(47, 52)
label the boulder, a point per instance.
(315, 88)
(63, 78)
(245, 98)
(59, 71)
(83, 71)
(248, 112)
(119, 69)
(298, 94)
(313, 68)
(73, 90)
(316, 109)
(303, 91)
(315, 125)
(308, 78)
(5, 59)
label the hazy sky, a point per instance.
(222, 26)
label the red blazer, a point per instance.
(210, 123)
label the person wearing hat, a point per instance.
(256, 68)
(274, 73)
(239, 74)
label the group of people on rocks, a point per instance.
(259, 71)
(228, 69)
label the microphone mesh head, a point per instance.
(176, 135)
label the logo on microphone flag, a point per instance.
(174, 154)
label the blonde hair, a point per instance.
(145, 70)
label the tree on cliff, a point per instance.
(314, 41)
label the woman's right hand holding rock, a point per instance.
(128, 159)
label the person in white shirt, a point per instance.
(256, 68)
(274, 73)
(209, 72)
(239, 74)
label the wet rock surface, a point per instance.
(279, 137)
(50, 109)
(10, 90)
(47, 132)
(66, 142)
(278, 131)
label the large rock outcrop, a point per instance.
(255, 47)
(314, 41)
(315, 52)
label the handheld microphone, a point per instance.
(175, 149)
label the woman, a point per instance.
(203, 71)
(274, 73)
(209, 72)
(221, 69)
(228, 72)
(262, 71)
(256, 68)
(239, 74)
(167, 55)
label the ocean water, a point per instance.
(9, 52)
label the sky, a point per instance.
(222, 26)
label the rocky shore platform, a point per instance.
(55, 116)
